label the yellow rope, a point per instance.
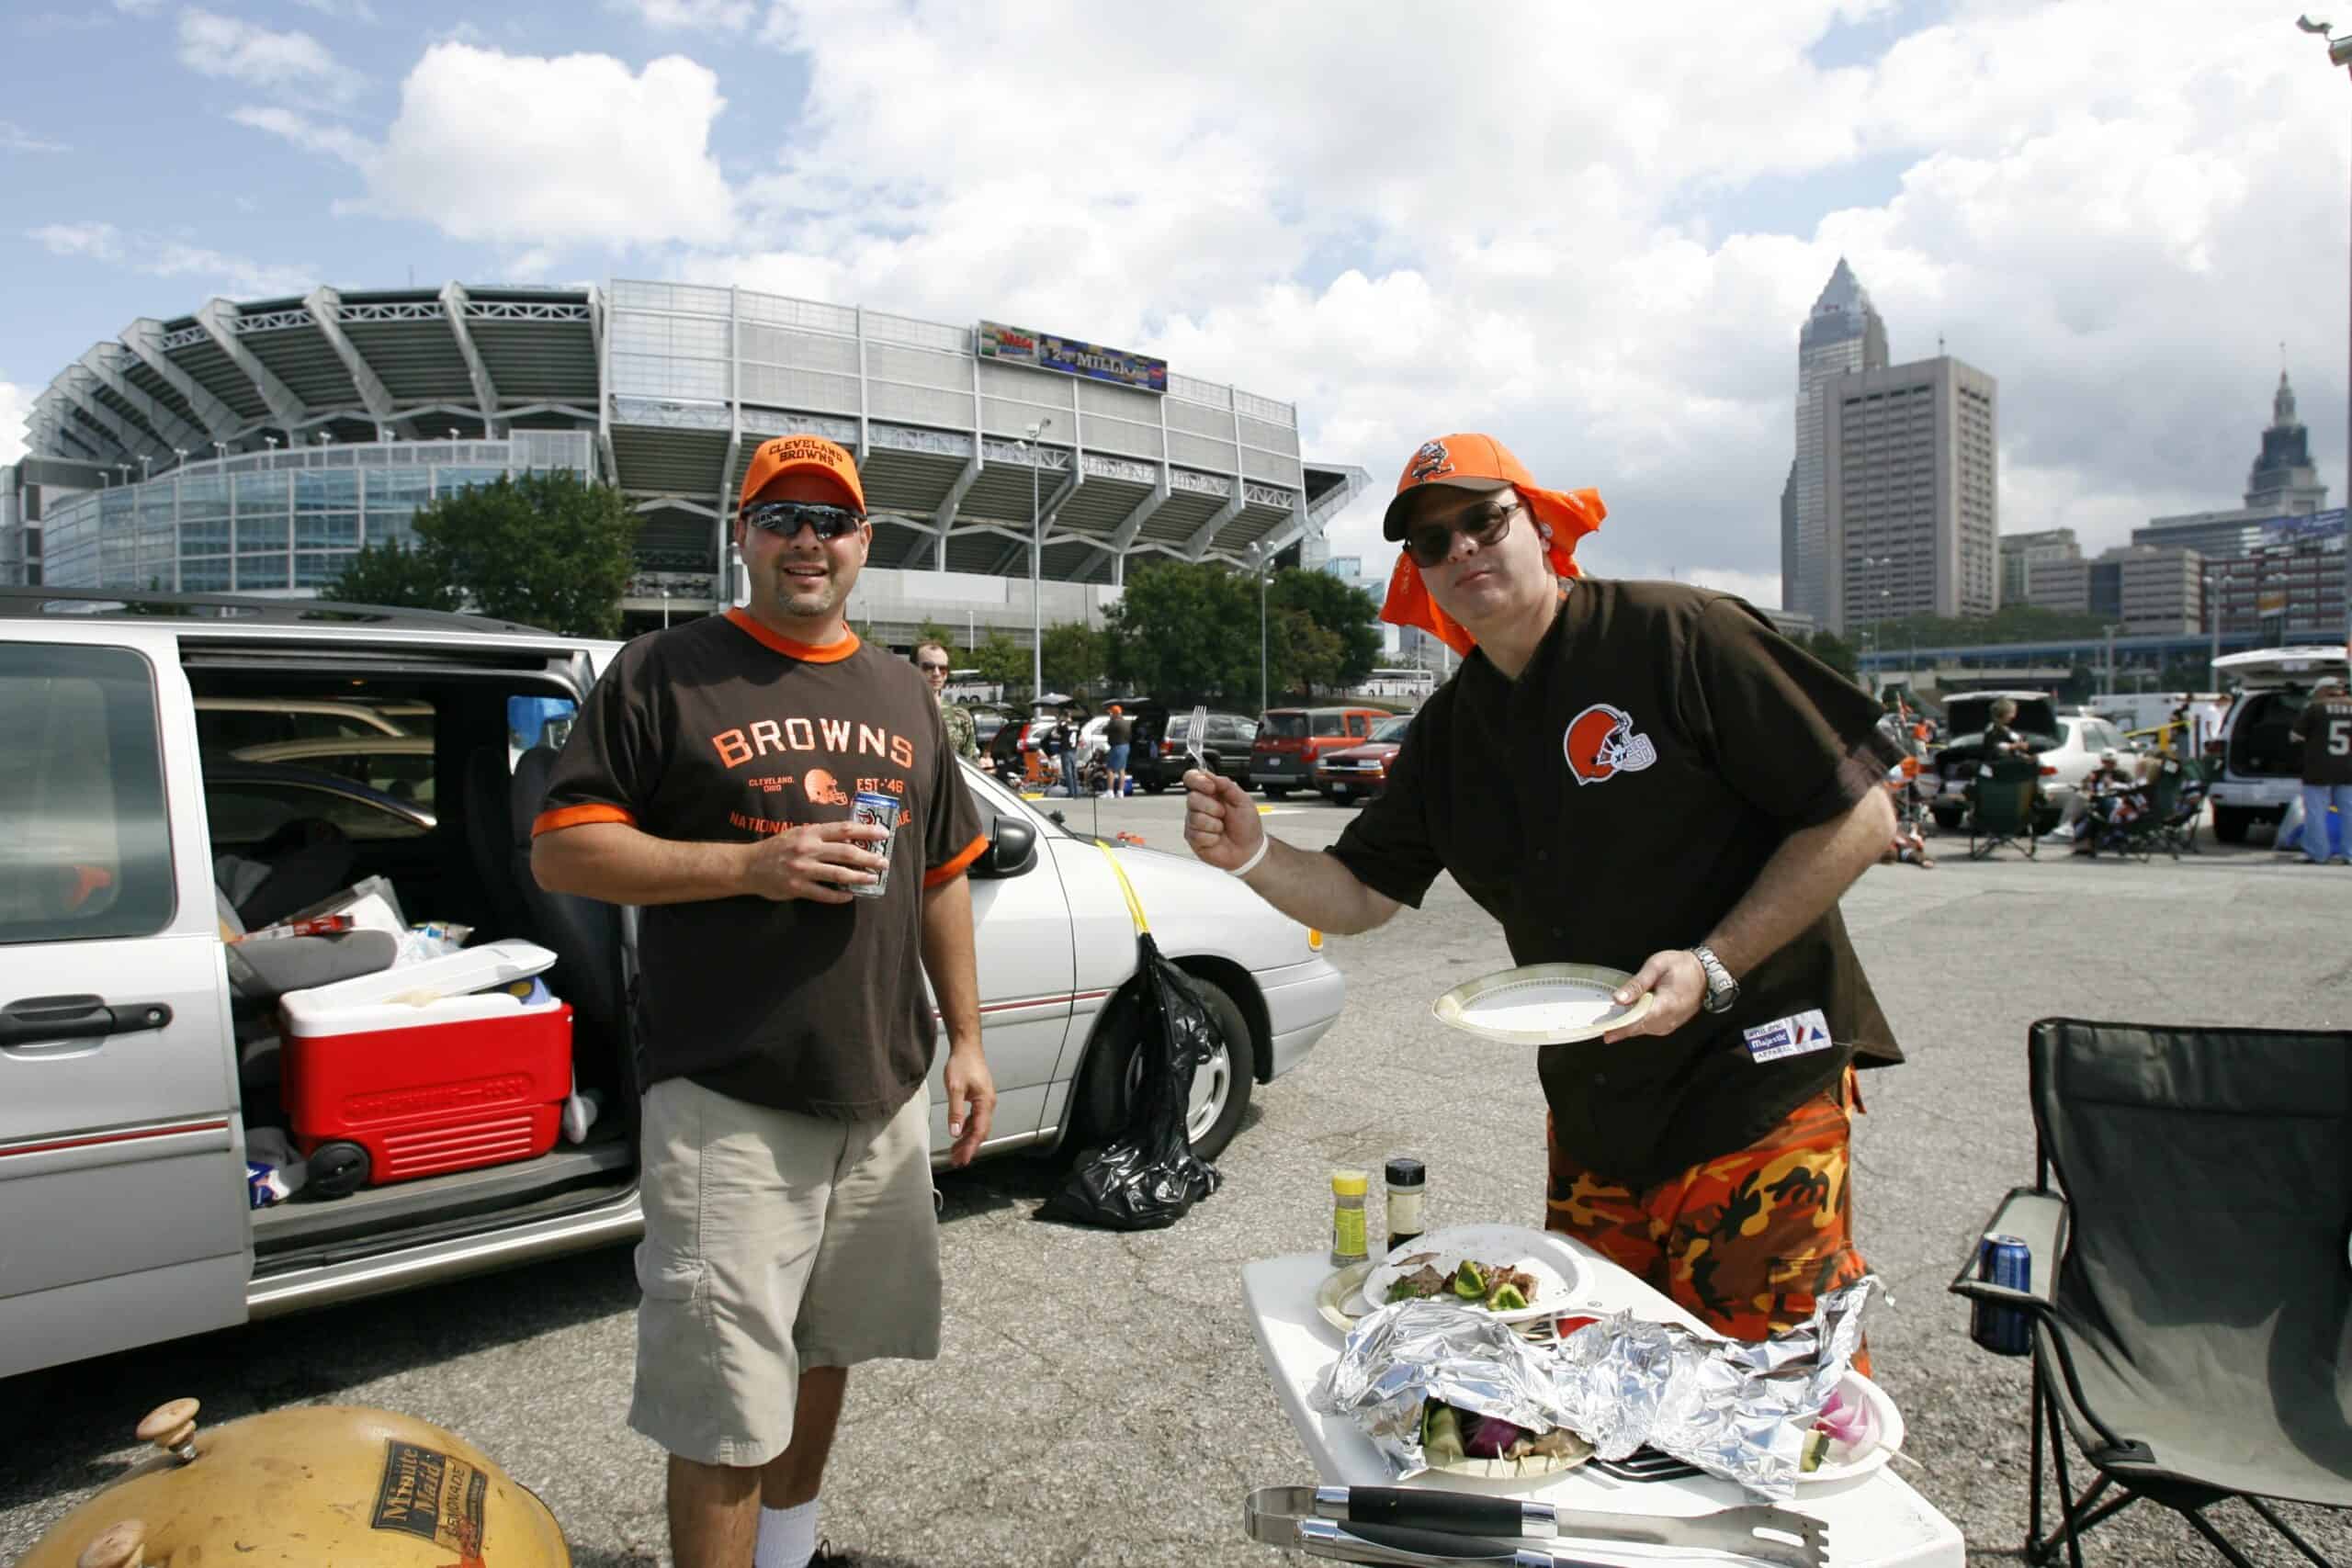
(1135, 908)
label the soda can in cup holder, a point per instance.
(880, 811)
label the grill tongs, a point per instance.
(1424, 1528)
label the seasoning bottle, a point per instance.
(1348, 1238)
(1406, 1181)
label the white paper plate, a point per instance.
(1542, 1004)
(1557, 1272)
(1886, 1437)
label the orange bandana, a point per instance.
(1564, 516)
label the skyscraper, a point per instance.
(2283, 480)
(1912, 492)
(1843, 334)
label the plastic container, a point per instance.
(409, 1073)
(1347, 1237)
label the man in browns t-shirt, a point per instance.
(1647, 776)
(2324, 726)
(784, 1039)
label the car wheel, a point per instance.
(1156, 787)
(2231, 824)
(338, 1170)
(1221, 1086)
(1275, 792)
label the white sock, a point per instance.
(787, 1537)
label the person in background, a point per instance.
(2324, 726)
(2107, 778)
(2000, 740)
(1064, 738)
(1117, 736)
(963, 735)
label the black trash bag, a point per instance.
(1147, 1175)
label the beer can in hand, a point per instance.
(880, 811)
(2002, 1329)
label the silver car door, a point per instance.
(122, 1181)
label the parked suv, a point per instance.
(2262, 764)
(1160, 761)
(139, 1061)
(1291, 740)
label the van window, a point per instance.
(1330, 724)
(1289, 725)
(85, 851)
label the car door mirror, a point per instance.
(1013, 849)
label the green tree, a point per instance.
(1076, 656)
(1342, 609)
(1004, 662)
(547, 549)
(389, 574)
(1834, 651)
(932, 631)
(1302, 653)
(1185, 630)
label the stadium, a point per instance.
(255, 448)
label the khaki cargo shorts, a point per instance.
(773, 1242)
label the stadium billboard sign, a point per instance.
(2318, 526)
(1042, 351)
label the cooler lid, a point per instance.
(458, 974)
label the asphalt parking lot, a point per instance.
(1100, 1401)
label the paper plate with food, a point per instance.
(1857, 1433)
(1508, 1272)
(1542, 1004)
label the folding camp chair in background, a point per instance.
(2000, 805)
(2190, 1298)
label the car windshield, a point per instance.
(1284, 725)
(995, 800)
(1392, 728)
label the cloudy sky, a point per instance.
(1591, 228)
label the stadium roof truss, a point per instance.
(680, 384)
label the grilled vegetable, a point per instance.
(1505, 1299)
(1468, 1283)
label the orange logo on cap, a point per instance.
(1432, 461)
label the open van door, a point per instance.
(122, 1181)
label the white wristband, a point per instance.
(1247, 866)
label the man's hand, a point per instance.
(971, 1101)
(1220, 822)
(1681, 985)
(818, 861)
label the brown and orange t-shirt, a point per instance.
(722, 731)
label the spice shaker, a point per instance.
(1347, 1237)
(1408, 1181)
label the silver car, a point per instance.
(132, 1069)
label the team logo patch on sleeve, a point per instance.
(1600, 743)
(1795, 1036)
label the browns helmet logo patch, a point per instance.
(1430, 462)
(1600, 743)
(822, 790)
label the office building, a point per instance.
(1842, 335)
(2283, 483)
(2160, 590)
(2020, 551)
(2292, 585)
(1911, 494)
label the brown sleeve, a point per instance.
(952, 836)
(612, 761)
(1798, 739)
(1387, 846)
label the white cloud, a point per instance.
(342, 10)
(16, 406)
(295, 63)
(15, 137)
(139, 8)
(166, 255)
(694, 16)
(537, 151)
(2120, 223)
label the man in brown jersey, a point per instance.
(785, 1041)
(1645, 776)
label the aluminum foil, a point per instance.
(1735, 1409)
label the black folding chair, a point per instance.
(2001, 804)
(2190, 1297)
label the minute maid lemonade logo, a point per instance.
(434, 1496)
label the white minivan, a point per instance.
(133, 1068)
(2262, 764)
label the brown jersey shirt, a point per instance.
(1616, 800)
(2324, 726)
(722, 731)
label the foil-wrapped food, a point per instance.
(1737, 1409)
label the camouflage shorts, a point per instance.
(1744, 1242)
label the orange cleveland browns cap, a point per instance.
(798, 455)
(1469, 462)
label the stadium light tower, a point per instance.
(1258, 559)
(2339, 52)
(1036, 569)
(220, 451)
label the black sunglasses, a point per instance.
(926, 664)
(1430, 542)
(784, 518)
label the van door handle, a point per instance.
(38, 1018)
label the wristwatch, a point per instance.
(1721, 990)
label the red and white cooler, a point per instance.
(425, 1069)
